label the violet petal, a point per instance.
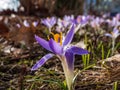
(115, 31)
(78, 51)
(43, 43)
(109, 35)
(42, 61)
(56, 48)
(70, 59)
(69, 36)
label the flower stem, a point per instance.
(69, 74)
(49, 29)
(113, 46)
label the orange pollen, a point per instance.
(57, 37)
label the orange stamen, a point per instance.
(60, 38)
(56, 37)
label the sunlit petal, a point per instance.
(69, 36)
(35, 23)
(115, 31)
(109, 35)
(26, 23)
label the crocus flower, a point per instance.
(95, 23)
(106, 15)
(18, 25)
(118, 16)
(61, 48)
(113, 35)
(26, 24)
(35, 23)
(82, 20)
(79, 22)
(66, 21)
(68, 18)
(63, 23)
(114, 22)
(49, 22)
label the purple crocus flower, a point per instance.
(68, 18)
(79, 22)
(35, 23)
(62, 49)
(118, 16)
(49, 22)
(114, 34)
(82, 20)
(96, 22)
(114, 22)
(26, 24)
(66, 21)
(63, 23)
(18, 25)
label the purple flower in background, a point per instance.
(79, 22)
(26, 24)
(106, 15)
(114, 22)
(118, 16)
(96, 22)
(35, 23)
(114, 34)
(49, 22)
(82, 20)
(66, 22)
(62, 49)
(89, 17)
(68, 18)
(62, 24)
(18, 25)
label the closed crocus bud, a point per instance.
(18, 25)
(35, 23)
(26, 24)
